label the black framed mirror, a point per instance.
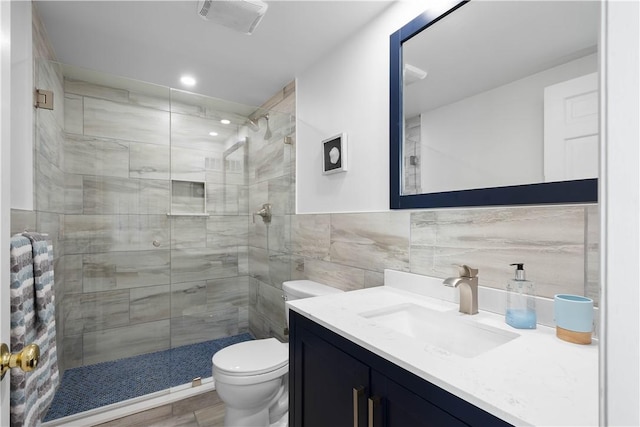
(485, 100)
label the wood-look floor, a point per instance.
(204, 410)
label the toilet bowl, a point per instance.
(251, 377)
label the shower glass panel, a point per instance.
(116, 234)
(147, 195)
(209, 220)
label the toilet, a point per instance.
(251, 377)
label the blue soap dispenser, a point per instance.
(521, 301)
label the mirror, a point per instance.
(495, 103)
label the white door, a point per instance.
(571, 129)
(5, 191)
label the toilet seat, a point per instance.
(251, 358)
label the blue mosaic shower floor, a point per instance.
(93, 386)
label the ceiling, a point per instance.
(158, 41)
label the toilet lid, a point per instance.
(251, 357)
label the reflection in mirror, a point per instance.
(500, 97)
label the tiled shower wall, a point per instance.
(102, 193)
(558, 244)
(271, 178)
(48, 174)
(138, 280)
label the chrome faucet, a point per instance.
(467, 282)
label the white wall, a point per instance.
(620, 193)
(348, 91)
(22, 129)
(494, 138)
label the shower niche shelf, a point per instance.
(188, 198)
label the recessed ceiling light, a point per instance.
(225, 121)
(213, 133)
(187, 81)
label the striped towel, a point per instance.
(32, 321)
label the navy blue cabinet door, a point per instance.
(393, 405)
(331, 385)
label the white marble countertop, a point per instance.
(534, 379)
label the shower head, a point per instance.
(253, 124)
(267, 134)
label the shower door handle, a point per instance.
(26, 359)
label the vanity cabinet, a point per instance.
(335, 382)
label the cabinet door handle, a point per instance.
(374, 405)
(358, 392)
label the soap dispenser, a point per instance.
(521, 302)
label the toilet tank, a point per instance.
(298, 289)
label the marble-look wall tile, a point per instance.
(232, 291)
(279, 268)
(73, 273)
(51, 224)
(336, 275)
(109, 119)
(227, 232)
(193, 132)
(48, 186)
(160, 100)
(549, 240)
(272, 306)
(124, 270)
(193, 264)
(95, 156)
(592, 255)
(150, 303)
(227, 199)
(311, 236)
(266, 160)
(372, 241)
(114, 233)
(49, 139)
(73, 194)
(259, 264)
(280, 192)
(117, 343)
(188, 232)
(373, 279)
(204, 326)
(188, 164)
(71, 351)
(243, 260)
(149, 161)
(22, 220)
(190, 297)
(110, 195)
(73, 110)
(42, 48)
(96, 311)
(82, 88)
(258, 196)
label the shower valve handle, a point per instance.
(265, 213)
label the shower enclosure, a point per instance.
(148, 194)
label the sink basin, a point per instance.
(447, 331)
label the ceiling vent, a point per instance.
(240, 15)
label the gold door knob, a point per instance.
(27, 359)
